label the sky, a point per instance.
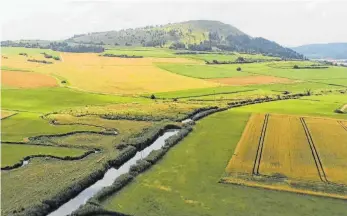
(289, 23)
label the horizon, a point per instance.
(70, 17)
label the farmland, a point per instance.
(288, 150)
(86, 102)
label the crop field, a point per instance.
(290, 149)
(18, 79)
(11, 154)
(330, 139)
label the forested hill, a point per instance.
(197, 35)
(201, 35)
(324, 51)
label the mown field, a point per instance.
(87, 102)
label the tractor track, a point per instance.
(314, 152)
(258, 156)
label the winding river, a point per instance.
(109, 177)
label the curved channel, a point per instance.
(109, 177)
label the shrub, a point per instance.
(123, 156)
(155, 155)
(63, 82)
(238, 69)
(57, 58)
(296, 67)
(152, 96)
(139, 167)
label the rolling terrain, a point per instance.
(71, 120)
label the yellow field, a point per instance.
(245, 153)
(19, 79)
(330, 139)
(286, 150)
(90, 72)
(296, 154)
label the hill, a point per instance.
(323, 51)
(200, 35)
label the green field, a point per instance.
(11, 154)
(195, 189)
(203, 71)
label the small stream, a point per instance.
(109, 177)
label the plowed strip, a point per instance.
(243, 159)
(286, 152)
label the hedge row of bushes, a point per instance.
(206, 113)
(19, 164)
(121, 56)
(148, 136)
(262, 100)
(40, 61)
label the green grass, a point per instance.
(53, 99)
(203, 71)
(12, 154)
(24, 125)
(185, 182)
(305, 106)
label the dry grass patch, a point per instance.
(18, 79)
(252, 80)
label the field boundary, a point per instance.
(285, 188)
(258, 156)
(314, 152)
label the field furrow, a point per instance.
(286, 152)
(243, 159)
(331, 143)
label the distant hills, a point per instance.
(196, 35)
(323, 51)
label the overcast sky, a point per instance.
(289, 23)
